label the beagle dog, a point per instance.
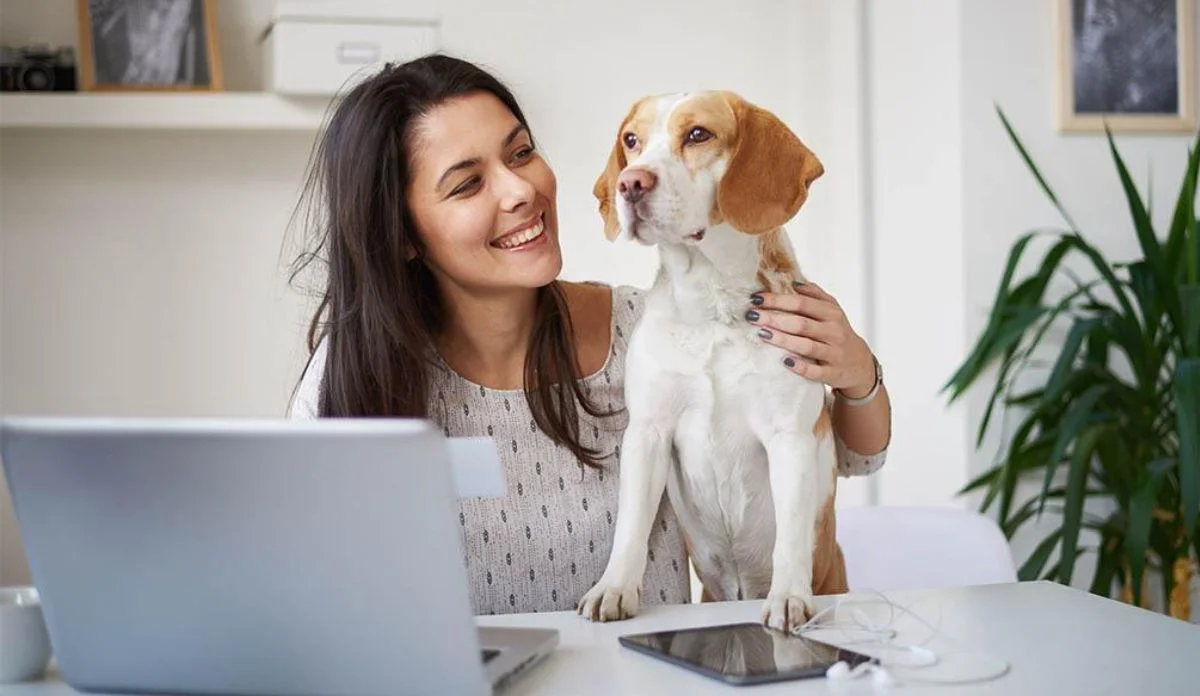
(742, 446)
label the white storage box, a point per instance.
(320, 48)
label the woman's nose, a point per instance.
(517, 190)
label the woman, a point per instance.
(439, 230)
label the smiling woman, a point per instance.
(436, 219)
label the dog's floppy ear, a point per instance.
(606, 188)
(769, 171)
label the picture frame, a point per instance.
(1130, 65)
(149, 45)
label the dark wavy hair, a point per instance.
(379, 306)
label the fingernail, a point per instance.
(752, 315)
(789, 362)
(765, 333)
(756, 299)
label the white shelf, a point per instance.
(246, 111)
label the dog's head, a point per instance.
(687, 162)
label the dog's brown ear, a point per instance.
(769, 171)
(606, 188)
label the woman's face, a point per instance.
(483, 200)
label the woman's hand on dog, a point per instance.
(820, 343)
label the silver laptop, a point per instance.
(253, 557)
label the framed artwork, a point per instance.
(149, 45)
(1127, 63)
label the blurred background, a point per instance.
(146, 233)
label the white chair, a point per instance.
(894, 548)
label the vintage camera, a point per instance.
(37, 68)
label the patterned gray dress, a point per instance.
(546, 542)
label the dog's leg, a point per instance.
(800, 483)
(645, 461)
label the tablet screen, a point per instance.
(746, 651)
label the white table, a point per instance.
(1057, 641)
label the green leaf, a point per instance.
(971, 366)
(1187, 418)
(1070, 430)
(1010, 356)
(1029, 509)
(1189, 320)
(984, 479)
(1073, 507)
(1023, 456)
(1033, 168)
(1107, 563)
(1152, 252)
(1104, 268)
(1141, 516)
(1184, 219)
(1070, 348)
(1145, 289)
(1032, 567)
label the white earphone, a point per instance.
(841, 671)
(906, 662)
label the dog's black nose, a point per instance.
(635, 182)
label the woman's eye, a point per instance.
(466, 186)
(523, 154)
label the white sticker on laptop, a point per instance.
(476, 465)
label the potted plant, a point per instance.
(1114, 411)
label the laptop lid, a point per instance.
(264, 557)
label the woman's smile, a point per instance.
(527, 236)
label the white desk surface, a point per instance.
(1057, 641)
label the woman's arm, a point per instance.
(822, 345)
(867, 428)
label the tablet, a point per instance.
(742, 653)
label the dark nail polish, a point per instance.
(752, 315)
(756, 299)
(789, 362)
(765, 333)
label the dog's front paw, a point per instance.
(785, 611)
(611, 601)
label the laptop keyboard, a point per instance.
(489, 655)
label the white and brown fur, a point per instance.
(743, 447)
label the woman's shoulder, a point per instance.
(626, 301)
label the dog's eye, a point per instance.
(698, 135)
(630, 140)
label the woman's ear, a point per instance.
(769, 171)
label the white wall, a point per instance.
(143, 273)
(916, 243)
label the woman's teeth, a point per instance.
(518, 238)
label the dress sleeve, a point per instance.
(849, 462)
(305, 402)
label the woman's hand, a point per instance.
(821, 344)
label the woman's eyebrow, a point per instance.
(468, 163)
(465, 164)
(512, 135)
